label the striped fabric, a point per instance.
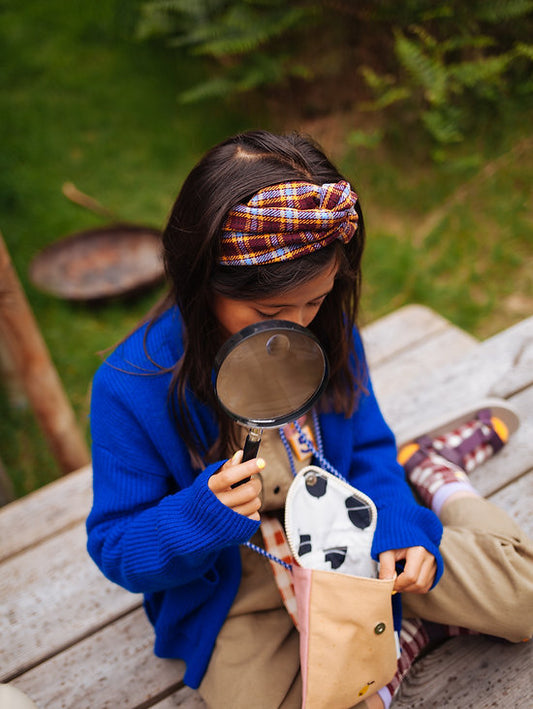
(286, 221)
(277, 545)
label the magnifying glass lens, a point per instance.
(267, 375)
(270, 374)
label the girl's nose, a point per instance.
(300, 318)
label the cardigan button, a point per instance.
(380, 628)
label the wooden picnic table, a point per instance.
(71, 639)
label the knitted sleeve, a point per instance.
(154, 524)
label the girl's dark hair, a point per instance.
(229, 174)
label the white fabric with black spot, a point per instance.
(330, 524)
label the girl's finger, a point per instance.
(419, 571)
(387, 561)
(232, 472)
(249, 510)
(241, 495)
(244, 471)
(408, 579)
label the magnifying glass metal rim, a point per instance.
(246, 333)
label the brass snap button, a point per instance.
(380, 628)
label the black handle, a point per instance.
(251, 448)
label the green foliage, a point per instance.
(81, 102)
(237, 36)
(454, 63)
(472, 264)
(438, 64)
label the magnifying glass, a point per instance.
(267, 375)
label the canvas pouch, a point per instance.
(348, 647)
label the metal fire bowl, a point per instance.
(100, 263)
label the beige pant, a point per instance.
(487, 586)
(13, 698)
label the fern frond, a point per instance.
(426, 38)
(443, 126)
(487, 70)
(219, 87)
(524, 50)
(377, 82)
(458, 43)
(243, 30)
(386, 99)
(427, 71)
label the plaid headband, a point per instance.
(286, 221)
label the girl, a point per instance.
(264, 227)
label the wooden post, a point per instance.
(34, 368)
(7, 493)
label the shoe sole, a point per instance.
(446, 423)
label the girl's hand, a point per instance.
(243, 499)
(418, 573)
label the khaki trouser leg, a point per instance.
(487, 584)
(13, 698)
(256, 661)
(255, 665)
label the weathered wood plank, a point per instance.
(50, 597)
(113, 669)
(64, 502)
(185, 697)
(116, 665)
(471, 672)
(516, 499)
(401, 330)
(410, 368)
(30, 358)
(520, 376)
(475, 376)
(45, 512)
(93, 642)
(57, 579)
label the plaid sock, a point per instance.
(434, 473)
(413, 639)
(415, 636)
(436, 467)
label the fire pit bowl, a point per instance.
(100, 263)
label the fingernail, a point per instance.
(235, 457)
(260, 463)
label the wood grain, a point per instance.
(113, 669)
(471, 672)
(70, 638)
(43, 513)
(33, 367)
(51, 596)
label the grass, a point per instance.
(467, 254)
(81, 102)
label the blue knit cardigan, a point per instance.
(156, 528)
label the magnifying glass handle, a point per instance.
(251, 448)
(252, 443)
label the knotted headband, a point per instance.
(286, 221)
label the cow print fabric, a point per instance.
(330, 524)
